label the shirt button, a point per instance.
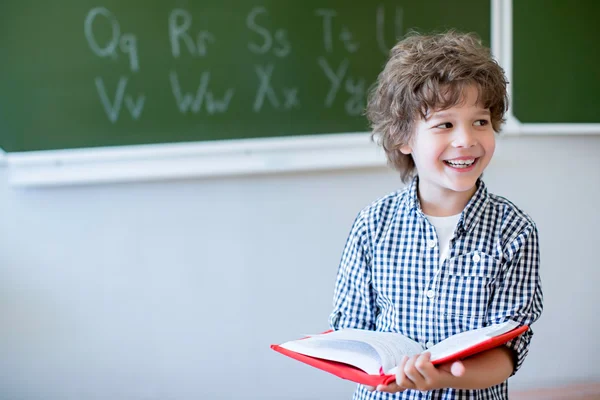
(429, 345)
(430, 294)
(476, 257)
(432, 243)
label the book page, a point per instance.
(464, 340)
(361, 355)
(367, 350)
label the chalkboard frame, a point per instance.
(248, 156)
(502, 46)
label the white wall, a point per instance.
(174, 290)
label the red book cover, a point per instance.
(354, 374)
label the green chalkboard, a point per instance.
(83, 73)
(556, 61)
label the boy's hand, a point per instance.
(418, 373)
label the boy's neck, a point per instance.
(443, 203)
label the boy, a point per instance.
(443, 255)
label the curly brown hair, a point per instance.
(430, 72)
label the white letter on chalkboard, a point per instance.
(135, 107)
(327, 34)
(213, 105)
(203, 38)
(381, 25)
(260, 30)
(265, 88)
(112, 111)
(336, 78)
(291, 98)
(184, 101)
(187, 100)
(178, 31)
(128, 45)
(109, 50)
(285, 48)
(346, 38)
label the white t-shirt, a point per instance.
(444, 227)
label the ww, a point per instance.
(187, 101)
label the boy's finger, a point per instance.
(402, 379)
(457, 368)
(391, 388)
(423, 364)
(413, 373)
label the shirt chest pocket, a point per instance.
(466, 285)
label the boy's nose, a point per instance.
(464, 137)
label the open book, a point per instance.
(370, 357)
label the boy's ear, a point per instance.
(405, 149)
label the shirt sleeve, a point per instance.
(519, 295)
(354, 299)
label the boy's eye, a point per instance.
(481, 122)
(445, 125)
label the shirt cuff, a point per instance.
(520, 348)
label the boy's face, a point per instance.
(452, 147)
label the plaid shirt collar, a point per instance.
(470, 215)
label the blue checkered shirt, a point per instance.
(390, 278)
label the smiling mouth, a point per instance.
(461, 163)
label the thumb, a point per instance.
(457, 369)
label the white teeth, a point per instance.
(461, 163)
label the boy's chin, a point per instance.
(464, 185)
